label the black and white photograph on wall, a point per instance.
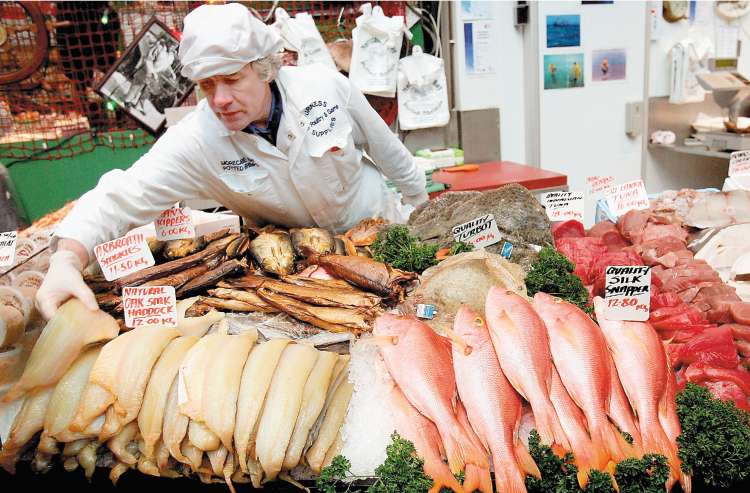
(146, 79)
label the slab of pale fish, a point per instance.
(28, 422)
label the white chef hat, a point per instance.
(221, 39)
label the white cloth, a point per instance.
(221, 39)
(316, 175)
(422, 91)
(301, 35)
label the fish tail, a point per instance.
(656, 441)
(548, 425)
(477, 478)
(461, 450)
(441, 476)
(617, 448)
(509, 477)
(526, 462)
(686, 482)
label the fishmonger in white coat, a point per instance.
(276, 145)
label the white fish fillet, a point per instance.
(29, 421)
(256, 378)
(313, 399)
(118, 444)
(282, 407)
(203, 438)
(175, 425)
(72, 328)
(711, 210)
(67, 396)
(330, 425)
(212, 371)
(119, 378)
(151, 415)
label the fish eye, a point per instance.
(479, 321)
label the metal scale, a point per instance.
(731, 91)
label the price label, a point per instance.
(599, 185)
(8, 248)
(149, 305)
(174, 224)
(739, 163)
(627, 196)
(628, 292)
(480, 232)
(563, 206)
(123, 256)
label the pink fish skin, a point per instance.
(574, 424)
(520, 341)
(620, 410)
(493, 406)
(423, 433)
(420, 362)
(580, 354)
(643, 369)
(670, 422)
(475, 477)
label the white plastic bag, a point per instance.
(377, 44)
(688, 58)
(301, 35)
(422, 91)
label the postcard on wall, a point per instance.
(608, 65)
(563, 30)
(563, 71)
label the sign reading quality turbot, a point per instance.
(149, 305)
(480, 232)
(123, 256)
(628, 292)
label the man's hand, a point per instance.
(62, 282)
(415, 200)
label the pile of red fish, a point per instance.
(475, 394)
(705, 325)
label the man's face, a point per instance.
(237, 99)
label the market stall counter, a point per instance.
(494, 174)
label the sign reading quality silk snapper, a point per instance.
(563, 206)
(739, 163)
(8, 248)
(149, 305)
(626, 197)
(628, 292)
(123, 256)
(174, 224)
(480, 232)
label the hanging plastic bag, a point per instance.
(377, 44)
(422, 91)
(301, 35)
(687, 59)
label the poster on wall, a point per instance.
(563, 31)
(608, 65)
(479, 49)
(563, 71)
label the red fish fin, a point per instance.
(477, 478)
(656, 441)
(583, 478)
(526, 462)
(548, 426)
(509, 477)
(441, 477)
(686, 482)
(616, 446)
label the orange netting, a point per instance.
(54, 112)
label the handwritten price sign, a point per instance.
(174, 224)
(599, 185)
(626, 197)
(8, 248)
(149, 305)
(123, 256)
(480, 232)
(628, 292)
(563, 206)
(739, 163)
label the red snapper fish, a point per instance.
(419, 360)
(492, 405)
(644, 372)
(520, 341)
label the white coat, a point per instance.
(315, 176)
